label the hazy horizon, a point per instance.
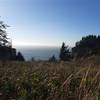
(36, 46)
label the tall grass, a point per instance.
(49, 81)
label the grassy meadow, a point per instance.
(42, 80)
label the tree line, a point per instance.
(87, 46)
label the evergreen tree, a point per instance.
(20, 57)
(4, 40)
(87, 46)
(64, 53)
(53, 59)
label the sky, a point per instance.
(50, 22)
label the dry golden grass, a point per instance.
(49, 81)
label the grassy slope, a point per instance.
(78, 80)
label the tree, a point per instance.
(20, 57)
(52, 59)
(4, 40)
(87, 46)
(65, 54)
(32, 59)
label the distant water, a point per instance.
(39, 53)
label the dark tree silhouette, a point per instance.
(87, 46)
(65, 54)
(32, 59)
(20, 57)
(6, 50)
(52, 59)
(4, 40)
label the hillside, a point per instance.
(88, 61)
(77, 80)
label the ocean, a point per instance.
(39, 53)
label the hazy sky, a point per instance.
(50, 22)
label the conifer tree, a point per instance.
(64, 53)
(4, 40)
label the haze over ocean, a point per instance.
(38, 53)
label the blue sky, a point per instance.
(50, 22)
